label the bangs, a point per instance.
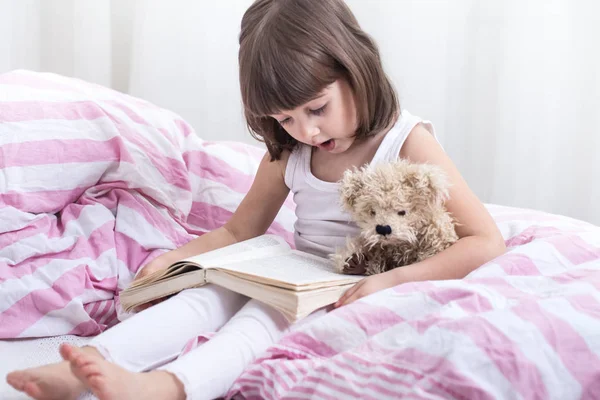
(291, 50)
(280, 78)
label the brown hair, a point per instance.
(290, 50)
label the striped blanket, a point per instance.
(524, 326)
(93, 185)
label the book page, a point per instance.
(295, 269)
(261, 246)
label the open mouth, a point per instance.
(327, 145)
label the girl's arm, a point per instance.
(252, 218)
(479, 238)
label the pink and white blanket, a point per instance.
(524, 326)
(93, 185)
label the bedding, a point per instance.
(524, 326)
(27, 353)
(93, 185)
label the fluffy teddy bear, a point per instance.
(399, 208)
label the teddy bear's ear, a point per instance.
(351, 186)
(436, 183)
(430, 183)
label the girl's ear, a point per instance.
(352, 184)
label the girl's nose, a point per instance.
(309, 132)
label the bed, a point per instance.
(95, 183)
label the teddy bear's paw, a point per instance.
(354, 265)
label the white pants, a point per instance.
(155, 337)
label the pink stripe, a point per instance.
(363, 381)
(265, 373)
(64, 151)
(49, 201)
(426, 370)
(107, 284)
(283, 365)
(470, 301)
(183, 127)
(138, 119)
(210, 217)
(42, 224)
(575, 249)
(530, 234)
(308, 345)
(313, 392)
(172, 170)
(370, 318)
(322, 381)
(105, 312)
(34, 306)
(511, 362)
(267, 380)
(141, 204)
(371, 374)
(92, 247)
(577, 357)
(585, 304)
(501, 286)
(92, 308)
(248, 391)
(206, 166)
(517, 264)
(412, 287)
(19, 111)
(276, 375)
(354, 358)
(45, 224)
(591, 277)
(87, 328)
(132, 253)
(112, 320)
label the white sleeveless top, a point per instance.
(322, 225)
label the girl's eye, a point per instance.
(285, 121)
(402, 213)
(319, 111)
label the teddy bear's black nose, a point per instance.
(383, 229)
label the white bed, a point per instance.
(19, 354)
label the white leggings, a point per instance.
(155, 337)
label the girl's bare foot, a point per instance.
(111, 382)
(49, 382)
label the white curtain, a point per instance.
(513, 87)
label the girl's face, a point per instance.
(327, 122)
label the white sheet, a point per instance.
(26, 353)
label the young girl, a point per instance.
(314, 90)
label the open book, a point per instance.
(264, 268)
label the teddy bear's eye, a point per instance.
(402, 213)
(373, 213)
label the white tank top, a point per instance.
(322, 225)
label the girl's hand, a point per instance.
(368, 285)
(159, 263)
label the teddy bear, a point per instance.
(399, 208)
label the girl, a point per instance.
(314, 90)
